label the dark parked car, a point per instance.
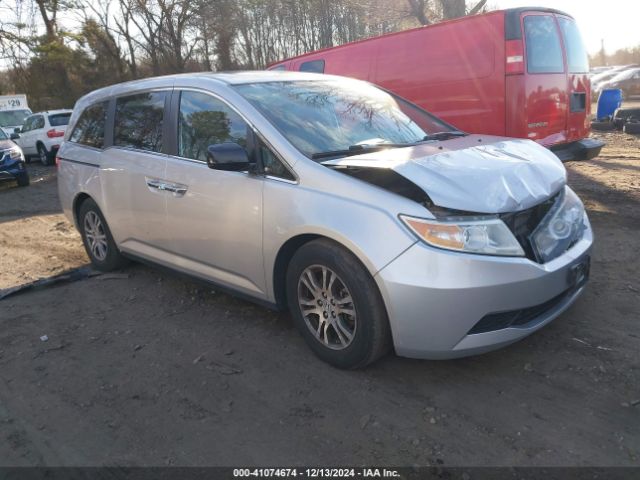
(625, 115)
(12, 162)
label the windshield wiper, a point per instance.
(358, 149)
(444, 135)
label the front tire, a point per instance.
(23, 180)
(336, 305)
(97, 239)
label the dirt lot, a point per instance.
(155, 370)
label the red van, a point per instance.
(521, 72)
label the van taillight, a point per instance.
(55, 133)
(515, 57)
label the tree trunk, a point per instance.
(453, 9)
(49, 22)
(223, 49)
(417, 8)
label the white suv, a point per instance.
(42, 133)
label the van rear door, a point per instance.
(545, 80)
(547, 88)
(577, 64)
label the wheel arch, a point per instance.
(288, 250)
(78, 200)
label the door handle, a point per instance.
(157, 184)
(177, 189)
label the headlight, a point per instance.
(490, 236)
(560, 228)
(15, 153)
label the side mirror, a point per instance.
(227, 156)
(14, 136)
(17, 130)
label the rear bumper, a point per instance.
(584, 149)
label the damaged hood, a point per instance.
(476, 173)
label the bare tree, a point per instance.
(428, 11)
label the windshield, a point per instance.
(3, 136)
(13, 118)
(319, 116)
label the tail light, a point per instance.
(515, 57)
(53, 133)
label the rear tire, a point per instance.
(336, 305)
(602, 126)
(45, 157)
(97, 239)
(632, 128)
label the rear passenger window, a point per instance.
(39, 122)
(314, 66)
(89, 129)
(139, 120)
(544, 53)
(205, 120)
(59, 119)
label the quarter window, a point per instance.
(314, 66)
(139, 120)
(59, 119)
(544, 53)
(272, 164)
(89, 129)
(205, 120)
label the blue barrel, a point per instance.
(610, 100)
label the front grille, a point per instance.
(518, 318)
(523, 223)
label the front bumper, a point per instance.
(11, 170)
(584, 149)
(434, 298)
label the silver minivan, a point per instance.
(375, 223)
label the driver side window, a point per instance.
(26, 127)
(205, 120)
(38, 123)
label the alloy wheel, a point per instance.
(95, 235)
(327, 307)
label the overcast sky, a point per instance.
(617, 22)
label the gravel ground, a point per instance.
(146, 368)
